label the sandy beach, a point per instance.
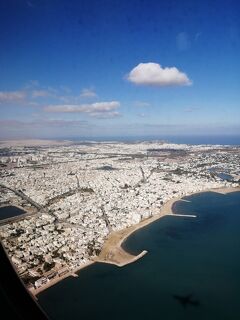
(112, 251)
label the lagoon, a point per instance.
(9, 212)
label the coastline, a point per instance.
(113, 252)
(72, 273)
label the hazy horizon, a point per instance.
(233, 140)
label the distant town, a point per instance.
(72, 196)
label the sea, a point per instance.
(232, 140)
(191, 270)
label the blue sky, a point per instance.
(119, 68)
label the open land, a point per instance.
(83, 200)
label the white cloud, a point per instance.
(12, 96)
(97, 109)
(106, 115)
(88, 93)
(152, 74)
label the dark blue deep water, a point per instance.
(186, 256)
(9, 212)
(233, 140)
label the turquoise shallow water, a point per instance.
(198, 256)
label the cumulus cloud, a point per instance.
(153, 74)
(88, 93)
(33, 93)
(100, 110)
(12, 96)
(84, 108)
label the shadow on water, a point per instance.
(191, 270)
(186, 300)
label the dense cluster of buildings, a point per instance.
(86, 191)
